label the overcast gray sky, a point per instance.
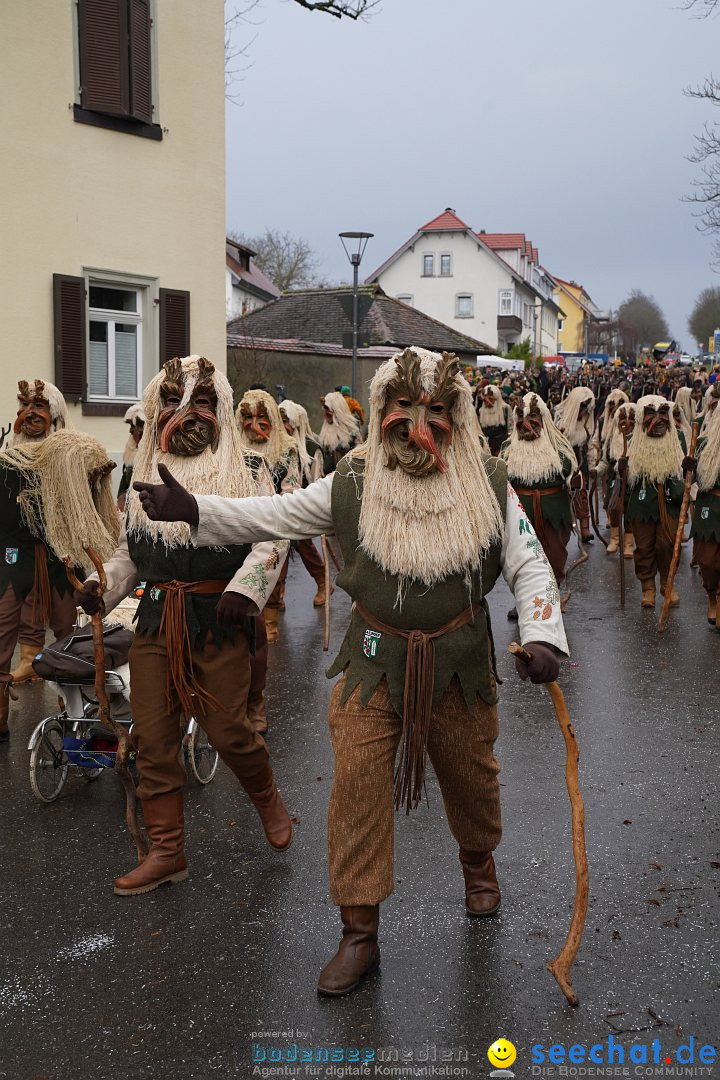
(565, 120)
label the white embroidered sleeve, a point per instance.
(121, 573)
(530, 577)
(257, 576)
(296, 516)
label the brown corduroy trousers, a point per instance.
(14, 611)
(361, 814)
(653, 548)
(224, 671)
(707, 556)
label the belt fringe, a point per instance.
(173, 624)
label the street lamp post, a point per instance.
(355, 244)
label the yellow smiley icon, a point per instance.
(502, 1054)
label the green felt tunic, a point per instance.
(706, 520)
(556, 509)
(17, 544)
(366, 655)
(642, 499)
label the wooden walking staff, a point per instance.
(104, 717)
(664, 614)
(561, 965)
(326, 549)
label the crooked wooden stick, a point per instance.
(664, 614)
(123, 750)
(4, 432)
(326, 563)
(560, 967)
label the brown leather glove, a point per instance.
(232, 608)
(689, 465)
(88, 598)
(575, 481)
(168, 501)
(544, 666)
(622, 466)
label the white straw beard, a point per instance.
(709, 460)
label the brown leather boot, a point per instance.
(165, 861)
(358, 954)
(4, 711)
(25, 672)
(614, 544)
(266, 799)
(712, 609)
(319, 598)
(648, 593)
(628, 545)
(256, 713)
(271, 624)
(585, 530)
(482, 892)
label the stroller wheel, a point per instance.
(202, 756)
(48, 763)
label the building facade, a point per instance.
(113, 210)
(246, 287)
(495, 293)
(578, 311)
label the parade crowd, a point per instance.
(452, 478)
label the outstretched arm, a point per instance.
(216, 521)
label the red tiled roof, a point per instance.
(535, 255)
(253, 276)
(447, 220)
(503, 241)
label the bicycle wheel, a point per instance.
(202, 756)
(48, 764)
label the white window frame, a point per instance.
(505, 296)
(111, 317)
(464, 296)
(406, 298)
(428, 255)
(446, 255)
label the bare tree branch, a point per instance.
(348, 9)
(236, 55)
(702, 9)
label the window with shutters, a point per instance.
(115, 65)
(114, 366)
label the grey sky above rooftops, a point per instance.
(564, 120)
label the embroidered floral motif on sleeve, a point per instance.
(256, 580)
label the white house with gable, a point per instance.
(490, 286)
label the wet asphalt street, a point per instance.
(182, 982)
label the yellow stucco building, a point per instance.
(578, 309)
(113, 210)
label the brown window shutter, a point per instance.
(70, 335)
(174, 323)
(103, 39)
(140, 71)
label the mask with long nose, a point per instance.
(187, 430)
(256, 424)
(33, 416)
(416, 426)
(528, 426)
(656, 424)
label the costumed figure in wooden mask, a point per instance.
(654, 492)
(620, 424)
(426, 521)
(576, 419)
(706, 520)
(135, 417)
(494, 415)
(55, 495)
(339, 432)
(194, 629)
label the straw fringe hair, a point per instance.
(496, 416)
(58, 412)
(615, 395)
(57, 504)
(280, 443)
(298, 417)
(533, 462)
(613, 439)
(708, 469)
(688, 405)
(653, 459)
(566, 416)
(224, 472)
(344, 429)
(427, 528)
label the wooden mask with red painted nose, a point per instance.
(417, 425)
(33, 416)
(256, 424)
(187, 430)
